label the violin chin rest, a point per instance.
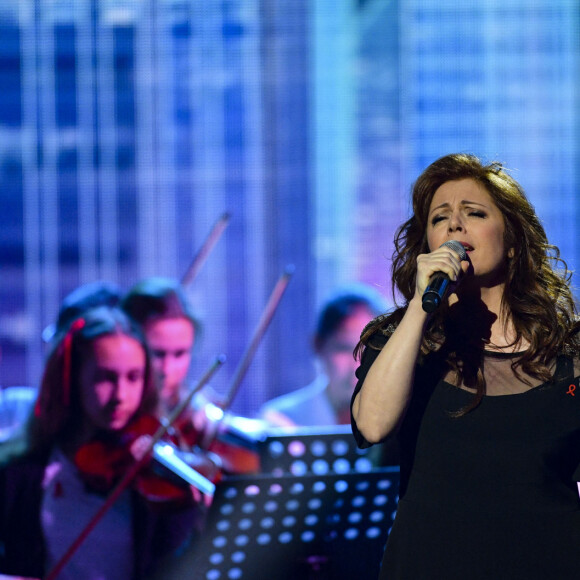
(169, 457)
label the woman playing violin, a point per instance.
(160, 306)
(95, 384)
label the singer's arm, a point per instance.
(386, 390)
(383, 398)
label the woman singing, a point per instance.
(482, 392)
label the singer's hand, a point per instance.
(443, 259)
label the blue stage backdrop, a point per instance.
(127, 128)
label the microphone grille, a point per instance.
(456, 247)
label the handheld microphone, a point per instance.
(440, 282)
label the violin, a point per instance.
(131, 473)
(103, 461)
(234, 439)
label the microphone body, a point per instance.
(440, 282)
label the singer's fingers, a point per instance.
(447, 250)
(441, 260)
(448, 256)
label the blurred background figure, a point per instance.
(159, 305)
(95, 389)
(15, 405)
(16, 401)
(326, 401)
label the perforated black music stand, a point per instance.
(321, 450)
(318, 527)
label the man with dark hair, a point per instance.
(326, 401)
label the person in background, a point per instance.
(482, 392)
(96, 383)
(160, 307)
(16, 401)
(326, 401)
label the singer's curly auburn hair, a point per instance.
(538, 298)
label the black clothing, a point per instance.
(491, 494)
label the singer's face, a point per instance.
(463, 210)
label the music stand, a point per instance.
(318, 527)
(321, 450)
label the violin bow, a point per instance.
(201, 256)
(264, 322)
(130, 474)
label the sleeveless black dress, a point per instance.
(491, 494)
